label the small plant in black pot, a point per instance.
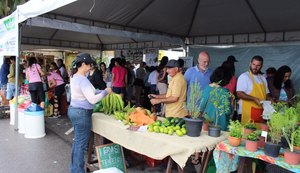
(194, 121)
(222, 105)
(275, 124)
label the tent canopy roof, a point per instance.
(175, 18)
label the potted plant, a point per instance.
(235, 133)
(207, 121)
(291, 156)
(252, 142)
(249, 127)
(275, 132)
(194, 121)
(291, 119)
(297, 140)
(222, 105)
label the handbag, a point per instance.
(44, 81)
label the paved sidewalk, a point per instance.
(18, 154)
(50, 154)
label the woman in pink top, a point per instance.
(33, 75)
(56, 83)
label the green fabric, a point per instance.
(211, 167)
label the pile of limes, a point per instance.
(169, 126)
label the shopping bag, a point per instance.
(268, 110)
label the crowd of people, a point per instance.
(166, 89)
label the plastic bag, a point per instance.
(68, 92)
(33, 108)
(268, 110)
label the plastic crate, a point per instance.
(154, 163)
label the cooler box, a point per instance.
(34, 122)
(21, 116)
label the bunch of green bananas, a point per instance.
(111, 103)
(120, 115)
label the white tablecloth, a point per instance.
(151, 144)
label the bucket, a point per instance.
(21, 116)
(34, 124)
(12, 108)
(21, 120)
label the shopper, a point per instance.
(281, 86)
(119, 78)
(96, 78)
(62, 69)
(83, 98)
(34, 75)
(11, 87)
(4, 71)
(56, 83)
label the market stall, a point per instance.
(157, 146)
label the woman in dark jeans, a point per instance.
(34, 75)
(57, 83)
(83, 98)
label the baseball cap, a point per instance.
(84, 57)
(172, 63)
(231, 58)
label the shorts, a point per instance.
(10, 91)
(119, 90)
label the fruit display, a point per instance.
(110, 104)
(135, 116)
(169, 126)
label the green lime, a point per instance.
(156, 130)
(166, 131)
(170, 132)
(161, 129)
(150, 129)
(179, 133)
(183, 130)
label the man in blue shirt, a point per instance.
(4, 71)
(199, 73)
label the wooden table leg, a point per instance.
(204, 160)
(94, 140)
(179, 169)
(245, 165)
(169, 166)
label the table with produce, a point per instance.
(139, 130)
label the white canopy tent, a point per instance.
(113, 24)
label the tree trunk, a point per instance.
(6, 8)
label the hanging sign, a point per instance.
(9, 35)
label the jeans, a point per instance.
(82, 123)
(10, 91)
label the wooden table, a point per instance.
(156, 146)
